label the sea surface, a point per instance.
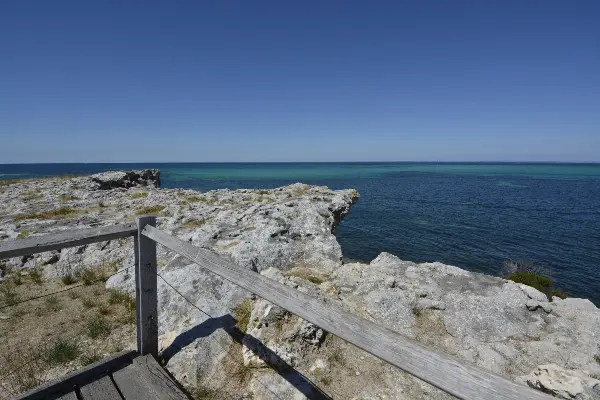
(472, 215)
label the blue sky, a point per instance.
(103, 81)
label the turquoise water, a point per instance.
(472, 215)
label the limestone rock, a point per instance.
(533, 293)
(126, 179)
(563, 383)
(288, 235)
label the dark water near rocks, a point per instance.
(474, 216)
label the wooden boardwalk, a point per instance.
(124, 376)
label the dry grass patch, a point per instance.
(91, 357)
(22, 370)
(198, 199)
(306, 275)
(241, 313)
(24, 234)
(139, 195)
(67, 197)
(58, 213)
(64, 331)
(33, 195)
(152, 210)
(193, 223)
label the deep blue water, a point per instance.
(474, 216)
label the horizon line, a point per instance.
(309, 162)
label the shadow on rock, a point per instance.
(227, 323)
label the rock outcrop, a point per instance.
(218, 339)
(126, 179)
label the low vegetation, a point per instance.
(89, 275)
(23, 235)
(68, 279)
(8, 294)
(193, 223)
(33, 195)
(67, 197)
(531, 274)
(44, 338)
(36, 275)
(152, 210)
(139, 195)
(198, 199)
(306, 275)
(97, 326)
(7, 182)
(61, 351)
(241, 313)
(61, 212)
(52, 303)
(90, 358)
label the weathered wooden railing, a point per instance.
(460, 379)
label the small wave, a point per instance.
(509, 184)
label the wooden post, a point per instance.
(145, 289)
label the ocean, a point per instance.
(472, 215)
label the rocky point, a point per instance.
(218, 340)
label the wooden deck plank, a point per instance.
(461, 379)
(69, 238)
(68, 396)
(145, 379)
(63, 385)
(101, 389)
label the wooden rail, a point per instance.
(59, 240)
(450, 375)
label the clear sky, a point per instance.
(95, 81)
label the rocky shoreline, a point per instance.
(229, 344)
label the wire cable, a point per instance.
(64, 290)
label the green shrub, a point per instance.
(539, 282)
(97, 326)
(68, 279)
(61, 352)
(559, 293)
(35, 274)
(88, 303)
(87, 275)
(116, 296)
(9, 296)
